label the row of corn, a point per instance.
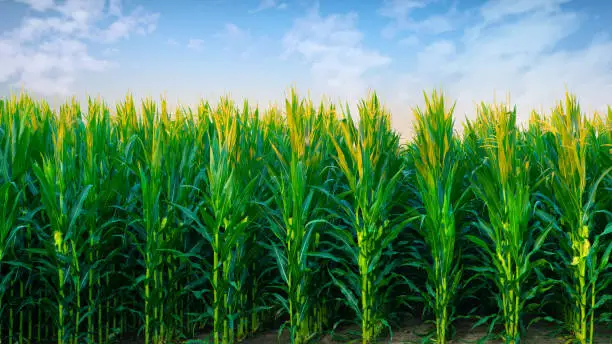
(222, 221)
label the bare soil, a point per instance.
(413, 333)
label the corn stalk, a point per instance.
(586, 252)
(367, 157)
(502, 183)
(294, 178)
(436, 161)
(63, 201)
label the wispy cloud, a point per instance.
(398, 11)
(38, 5)
(269, 4)
(498, 10)
(234, 38)
(49, 47)
(410, 41)
(195, 44)
(139, 22)
(110, 51)
(508, 46)
(333, 47)
(231, 32)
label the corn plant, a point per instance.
(502, 183)
(436, 161)
(153, 220)
(221, 217)
(181, 164)
(19, 119)
(368, 158)
(294, 178)
(9, 229)
(63, 204)
(585, 250)
(97, 169)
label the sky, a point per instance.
(473, 51)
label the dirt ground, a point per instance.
(412, 333)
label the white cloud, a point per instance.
(269, 4)
(410, 41)
(233, 38)
(400, 9)
(231, 32)
(50, 47)
(38, 5)
(195, 44)
(514, 47)
(399, 12)
(333, 47)
(139, 22)
(497, 10)
(110, 51)
(115, 8)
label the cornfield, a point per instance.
(224, 221)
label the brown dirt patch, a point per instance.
(412, 333)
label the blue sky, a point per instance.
(190, 49)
